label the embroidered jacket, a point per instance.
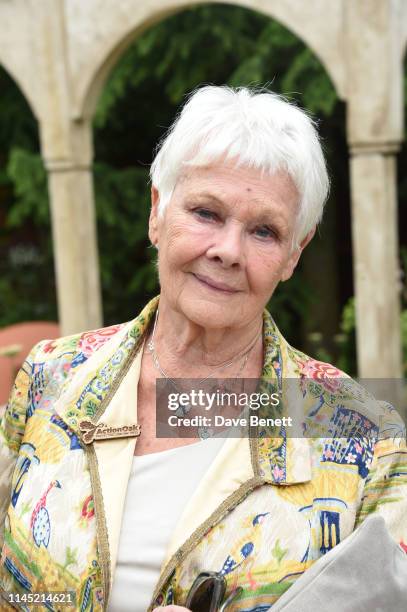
(266, 509)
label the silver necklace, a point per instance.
(203, 432)
(225, 364)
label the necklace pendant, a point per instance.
(181, 411)
(205, 432)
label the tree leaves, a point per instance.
(26, 171)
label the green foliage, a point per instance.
(404, 339)
(17, 125)
(289, 301)
(348, 317)
(347, 343)
(305, 74)
(27, 173)
(27, 288)
(127, 264)
(346, 339)
(201, 45)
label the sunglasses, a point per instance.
(207, 593)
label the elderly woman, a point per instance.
(94, 506)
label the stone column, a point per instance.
(373, 54)
(67, 151)
(75, 246)
(376, 266)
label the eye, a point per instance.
(205, 213)
(264, 232)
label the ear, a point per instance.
(296, 254)
(153, 220)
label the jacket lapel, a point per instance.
(115, 456)
(88, 389)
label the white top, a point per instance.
(160, 486)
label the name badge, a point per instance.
(101, 431)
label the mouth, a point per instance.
(215, 285)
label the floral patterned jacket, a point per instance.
(266, 510)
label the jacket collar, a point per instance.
(88, 389)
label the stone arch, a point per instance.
(16, 52)
(101, 56)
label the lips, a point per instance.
(210, 282)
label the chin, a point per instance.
(209, 314)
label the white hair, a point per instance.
(254, 128)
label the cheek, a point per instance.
(186, 242)
(264, 271)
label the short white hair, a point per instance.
(254, 127)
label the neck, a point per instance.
(184, 346)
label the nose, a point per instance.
(227, 248)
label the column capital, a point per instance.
(67, 165)
(390, 147)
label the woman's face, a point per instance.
(225, 243)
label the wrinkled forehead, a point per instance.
(230, 182)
